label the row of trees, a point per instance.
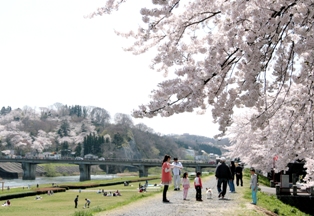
(5, 111)
(93, 144)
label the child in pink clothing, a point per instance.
(185, 184)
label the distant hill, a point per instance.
(199, 143)
(89, 130)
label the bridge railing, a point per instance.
(93, 160)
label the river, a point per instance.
(49, 180)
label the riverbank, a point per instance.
(62, 203)
(147, 203)
(28, 191)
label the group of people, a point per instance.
(224, 174)
(166, 179)
(87, 202)
(117, 193)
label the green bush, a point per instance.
(83, 213)
(50, 170)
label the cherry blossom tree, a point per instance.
(224, 55)
(221, 54)
(284, 131)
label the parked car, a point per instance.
(91, 157)
(101, 159)
(79, 158)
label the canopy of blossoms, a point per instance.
(222, 55)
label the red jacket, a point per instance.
(166, 176)
(198, 182)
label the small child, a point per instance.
(253, 185)
(198, 186)
(185, 184)
(87, 203)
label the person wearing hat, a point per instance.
(253, 185)
(223, 174)
(177, 166)
(239, 175)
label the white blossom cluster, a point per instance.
(14, 131)
(284, 131)
(222, 54)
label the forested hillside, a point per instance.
(89, 130)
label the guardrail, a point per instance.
(89, 159)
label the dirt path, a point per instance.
(233, 205)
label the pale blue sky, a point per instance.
(50, 53)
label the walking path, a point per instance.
(233, 204)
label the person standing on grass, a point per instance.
(223, 174)
(177, 166)
(198, 186)
(166, 177)
(253, 186)
(76, 201)
(185, 185)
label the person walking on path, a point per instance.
(87, 203)
(76, 201)
(239, 175)
(253, 185)
(231, 181)
(177, 166)
(166, 177)
(198, 186)
(223, 174)
(185, 185)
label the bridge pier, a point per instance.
(143, 171)
(198, 169)
(84, 172)
(29, 171)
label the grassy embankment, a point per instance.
(266, 201)
(63, 203)
(67, 169)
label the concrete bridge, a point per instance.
(29, 165)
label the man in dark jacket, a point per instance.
(239, 175)
(75, 201)
(223, 174)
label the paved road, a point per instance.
(233, 205)
(268, 190)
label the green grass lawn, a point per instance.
(63, 203)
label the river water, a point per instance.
(49, 180)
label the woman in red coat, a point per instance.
(166, 176)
